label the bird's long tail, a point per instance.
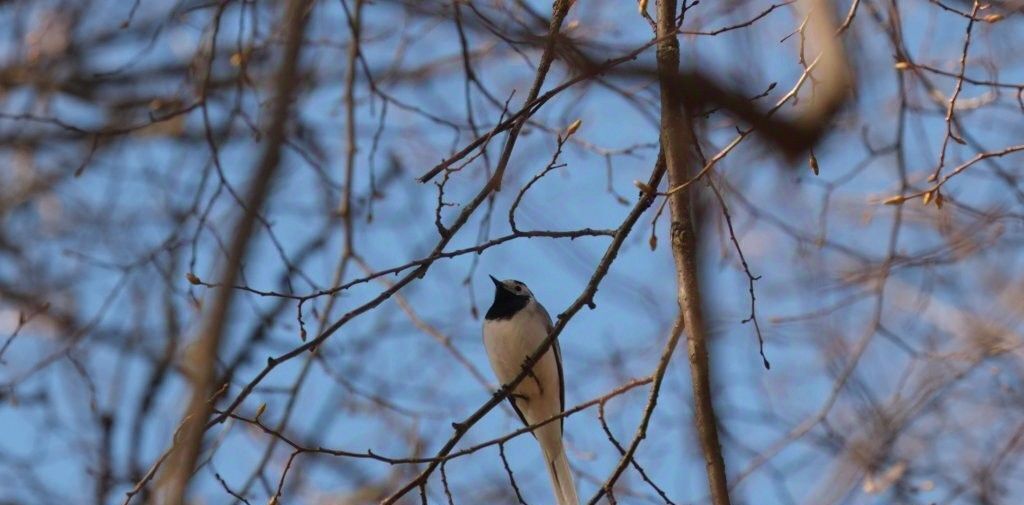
(561, 476)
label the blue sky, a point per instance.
(130, 189)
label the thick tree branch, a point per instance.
(185, 451)
(675, 141)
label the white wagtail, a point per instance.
(514, 327)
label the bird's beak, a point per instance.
(496, 282)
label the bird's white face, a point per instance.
(520, 289)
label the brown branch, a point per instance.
(560, 10)
(899, 199)
(182, 458)
(952, 100)
(429, 329)
(230, 491)
(23, 319)
(274, 500)
(744, 24)
(532, 106)
(552, 165)
(652, 401)
(751, 278)
(370, 455)
(426, 260)
(675, 141)
(444, 484)
(622, 452)
(508, 470)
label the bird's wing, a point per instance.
(512, 400)
(558, 361)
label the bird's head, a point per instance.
(511, 287)
(510, 296)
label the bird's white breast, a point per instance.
(509, 342)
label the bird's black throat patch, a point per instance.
(506, 304)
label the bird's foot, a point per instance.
(529, 373)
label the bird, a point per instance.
(514, 327)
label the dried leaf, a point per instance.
(192, 279)
(814, 163)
